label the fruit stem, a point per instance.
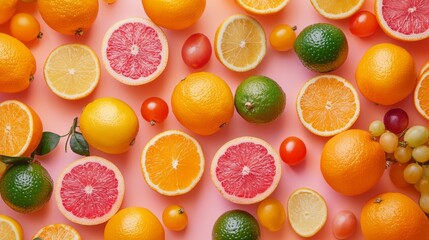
(79, 32)
(181, 211)
(40, 35)
(248, 105)
(378, 200)
(152, 122)
(294, 28)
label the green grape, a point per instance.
(416, 136)
(421, 153)
(413, 173)
(403, 154)
(424, 202)
(423, 185)
(389, 142)
(376, 128)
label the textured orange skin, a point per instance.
(17, 65)
(70, 17)
(393, 216)
(352, 163)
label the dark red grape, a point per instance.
(396, 120)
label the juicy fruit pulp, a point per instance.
(26, 187)
(10, 229)
(57, 231)
(265, 8)
(236, 224)
(134, 51)
(321, 47)
(259, 99)
(89, 191)
(172, 163)
(337, 9)
(246, 170)
(421, 95)
(403, 20)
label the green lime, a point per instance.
(259, 99)
(321, 47)
(26, 187)
(236, 225)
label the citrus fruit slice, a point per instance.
(403, 20)
(72, 71)
(10, 229)
(89, 191)
(262, 7)
(172, 163)
(337, 9)
(421, 95)
(424, 69)
(21, 129)
(240, 43)
(327, 105)
(246, 170)
(134, 51)
(307, 211)
(57, 231)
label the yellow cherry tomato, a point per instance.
(175, 218)
(283, 37)
(271, 214)
(24, 27)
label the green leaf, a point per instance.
(15, 160)
(78, 144)
(48, 143)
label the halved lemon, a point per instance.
(10, 229)
(240, 43)
(307, 211)
(72, 71)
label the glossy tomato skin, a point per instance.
(196, 50)
(175, 218)
(363, 24)
(154, 110)
(344, 224)
(25, 27)
(283, 37)
(292, 150)
(271, 214)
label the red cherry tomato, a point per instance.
(363, 24)
(344, 224)
(292, 150)
(154, 110)
(196, 50)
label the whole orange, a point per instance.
(17, 65)
(203, 103)
(393, 216)
(174, 14)
(7, 9)
(386, 74)
(352, 163)
(70, 17)
(134, 223)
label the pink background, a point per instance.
(204, 204)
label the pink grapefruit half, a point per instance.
(246, 170)
(403, 19)
(134, 51)
(89, 191)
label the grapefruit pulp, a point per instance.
(89, 191)
(134, 51)
(403, 20)
(246, 170)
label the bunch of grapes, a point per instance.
(407, 148)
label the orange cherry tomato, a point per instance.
(283, 37)
(24, 27)
(175, 218)
(271, 214)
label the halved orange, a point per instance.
(57, 231)
(421, 95)
(337, 9)
(327, 105)
(20, 129)
(262, 7)
(10, 229)
(424, 69)
(240, 43)
(172, 163)
(72, 71)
